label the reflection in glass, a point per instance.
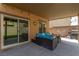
(10, 31)
(23, 31)
(42, 27)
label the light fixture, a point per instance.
(34, 23)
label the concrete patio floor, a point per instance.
(31, 49)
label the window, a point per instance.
(74, 21)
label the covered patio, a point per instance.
(20, 23)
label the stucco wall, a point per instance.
(62, 31)
(6, 9)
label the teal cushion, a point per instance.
(45, 36)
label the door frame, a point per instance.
(2, 31)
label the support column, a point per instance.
(1, 31)
(78, 28)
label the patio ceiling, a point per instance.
(49, 11)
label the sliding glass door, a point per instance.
(10, 31)
(23, 30)
(15, 30)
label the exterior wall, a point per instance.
(6, 9)
(63, 31)
(60, 22)
(13, 11)
(0, 32)
(60, 26)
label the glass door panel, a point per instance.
(10, 31)
(42, 27)
(23, 31)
